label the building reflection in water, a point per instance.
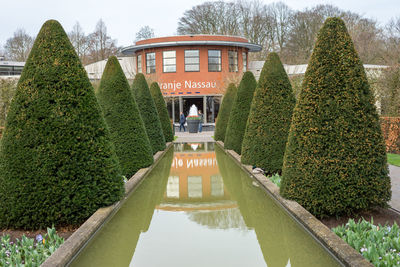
(196, 187)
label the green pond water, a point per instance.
(198, 208)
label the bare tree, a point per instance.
(391, 50)
(256, 25)
(101, 46)
(210, 18)
(281, 15)
(17, 48)
(145, 33)
(80, 42)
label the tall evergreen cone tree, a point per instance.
(162, 112)
(335, 160)
(122, 116)
(57, 163)
(149, 113)
(239, 113)
(224, 112)
(267, 129)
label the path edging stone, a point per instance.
(68, 250)
(347, 255)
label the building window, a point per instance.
(214, 60)
(192, 60)
(169, 61)
(244, 62)
(139, 64)
(233, 61)
(150, 62)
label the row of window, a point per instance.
(192, 61)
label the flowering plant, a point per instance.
(28, 251)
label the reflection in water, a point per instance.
(198, 208)
(219, 219)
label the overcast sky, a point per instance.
(124, 18)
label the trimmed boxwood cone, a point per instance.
(224, 112)
(162, 112)
(335, 160)
(57, 162)
(265, 138)
(121, 113)
(148, 112)
(239, 113)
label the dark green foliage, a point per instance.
(122, 116)
(267, 129)
(148, 112)
(224, 112)
(240, 112)
(335, 160)
(57, 163)
(162, 112)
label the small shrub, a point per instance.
(378, 244)
(149, 113)
(276, 179)
(162, 112)
(122, 116)
(239, 113)
(224, 112)
(29, 251)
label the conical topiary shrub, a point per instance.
(239, 113)
(162, 112)
(148, 112)
(122, 116)
(57, 163)
(267, 129)
(335, 160)
(224, 112)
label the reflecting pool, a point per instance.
(198, 208)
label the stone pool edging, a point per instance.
(347, 255)
(67, 251)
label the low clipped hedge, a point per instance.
(267, 129)
(224, 112)
(121, 113)
(239, 113)
(162, 112)
(57, 161)
(148, 113)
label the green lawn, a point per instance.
(393, 159)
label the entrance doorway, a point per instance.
(189, 101)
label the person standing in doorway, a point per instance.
(182, 121)
(201, 121)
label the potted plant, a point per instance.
(193, 123)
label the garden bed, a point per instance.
(64, 232)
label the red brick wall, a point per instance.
(391, 133)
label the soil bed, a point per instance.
(380, 216)
(64, 232)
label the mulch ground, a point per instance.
(64, 232)
(380, 216)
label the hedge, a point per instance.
(335, 160)
(162, 112)
(239, 113)
(267, 129)
(149, 113)
(57, 162)
(391, 133)
(224, 112)
(122, 116)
